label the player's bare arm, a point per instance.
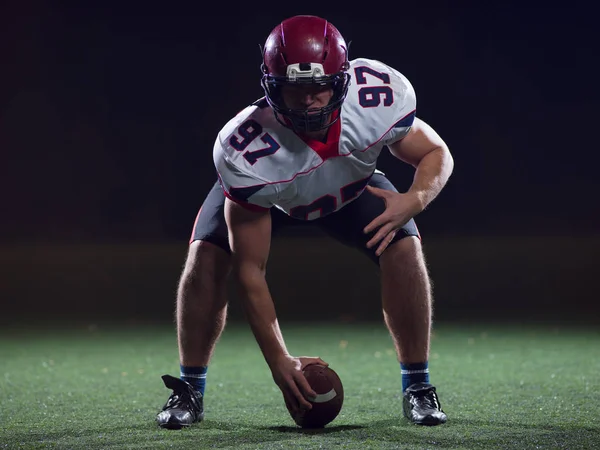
(250, 241)
(427, 152)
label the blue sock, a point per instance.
(414, 373)
(196, 376)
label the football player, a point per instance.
(306, 153)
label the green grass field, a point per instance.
(502, 388)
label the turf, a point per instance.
(502, 388)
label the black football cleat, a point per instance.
(184, 406)
(422, 406)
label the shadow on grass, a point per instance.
(392, 433)
(213, 434)
(474, 434)
(314, 431)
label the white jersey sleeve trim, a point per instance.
(408, 116)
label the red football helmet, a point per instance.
(305, 50)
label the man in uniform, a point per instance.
(306, 153)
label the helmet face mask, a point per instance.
(306, 119)
(305, 51)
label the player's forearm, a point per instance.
(432, 174)
(261, 315)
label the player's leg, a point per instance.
(201, 294)
(406, 296)
(407, 309)
(200, 312)
(202, 308)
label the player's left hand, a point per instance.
(399, 209)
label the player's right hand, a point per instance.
(287, 373)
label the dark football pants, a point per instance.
(346, 225)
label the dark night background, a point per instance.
(109, 113)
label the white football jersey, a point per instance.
(262, 164)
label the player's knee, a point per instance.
(206, 261)
(405, 252)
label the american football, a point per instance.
(330, 397)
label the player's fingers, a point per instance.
(377, 191)
(381, 234)
(376, 222)
(292, 406)
(290, 403)
(303, 390)
(386, 241)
